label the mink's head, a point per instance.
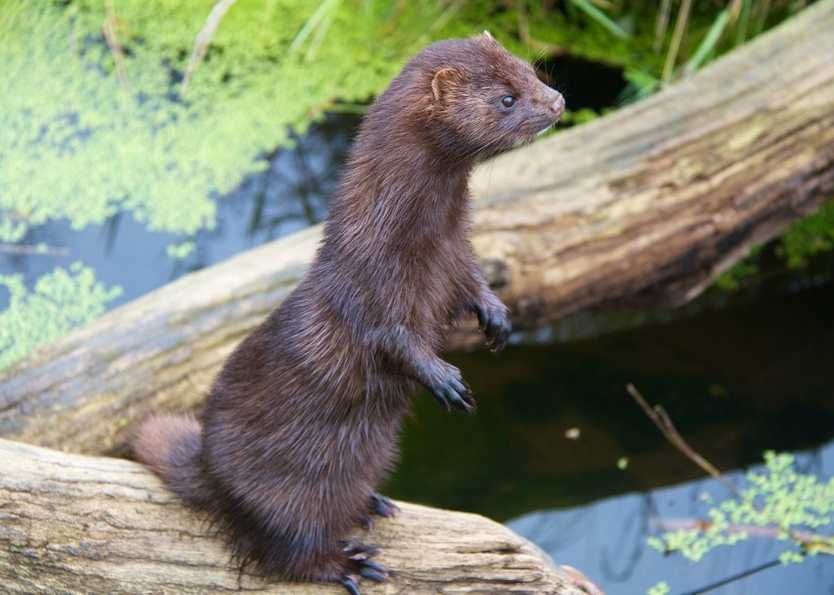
(478, 99)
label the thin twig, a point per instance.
(662, 24)
(735, 10)
(313, 23)
(112, 40)
(664, 423)
(809, 540)
(203, 40)
(680, 27)
(731, 579)
(30, 249)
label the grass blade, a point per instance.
(600, 17)
(743, 22)
(709, 42)
(314, 21)
(677, 36)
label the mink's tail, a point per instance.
(170, 445)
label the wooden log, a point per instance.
(78, 524)
(648, 204)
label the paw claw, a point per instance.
(382, 506)
(354, 548)
(360, 566)
(451, 391)
(373, 571)
(492, 320)
(349, 583)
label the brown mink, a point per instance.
(301, 424)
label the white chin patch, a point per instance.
(543, 130)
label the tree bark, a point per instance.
(647, 205)
(78, 524)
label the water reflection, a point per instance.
(607, 540)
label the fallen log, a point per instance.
(78, 524)
(646, 205)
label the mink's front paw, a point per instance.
(451, 391)
(493, 320)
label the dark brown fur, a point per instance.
(302, 423)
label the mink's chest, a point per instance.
(437, 278)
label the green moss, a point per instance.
(809, 236)
(747, 268)
(804, 239)
(60, 301)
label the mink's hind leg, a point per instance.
(361, 566)
(347, 564)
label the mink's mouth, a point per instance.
(538, 127)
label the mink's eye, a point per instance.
(508, 101)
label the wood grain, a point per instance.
(78, 524)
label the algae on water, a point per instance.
(60, 301)
(80, 144)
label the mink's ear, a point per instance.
(487, 38)
(444, 81)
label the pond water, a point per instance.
(554, 418)
(736, 381)
(607, 540)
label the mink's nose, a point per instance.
(558, 106)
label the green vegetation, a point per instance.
(113, 107)
(802, 241)
(83, 143)
(809, 236)
(779, 503)
(98, 121)
(661, 588)
(59, 301)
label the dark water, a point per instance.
(737, 381)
